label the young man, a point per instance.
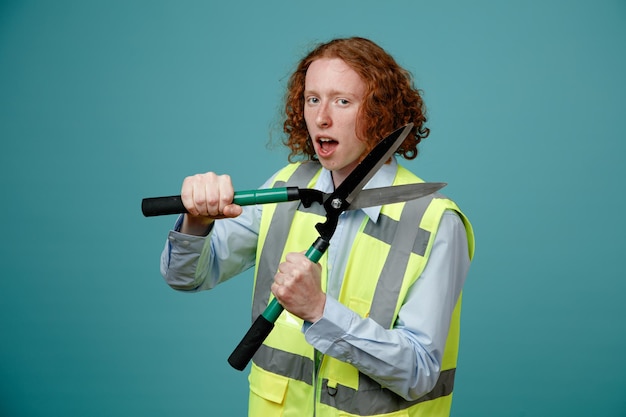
(372, 329)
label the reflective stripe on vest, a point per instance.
(279, 229)
(397, 234)
(370, 399)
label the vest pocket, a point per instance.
(267, 385)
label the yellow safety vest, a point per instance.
(379, 272)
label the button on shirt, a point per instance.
(405, 359)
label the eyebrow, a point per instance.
(332, 93)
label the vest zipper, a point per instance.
(318, 356)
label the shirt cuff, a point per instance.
(332, 327)
(179, 262)
(181, 243)
(185, 243)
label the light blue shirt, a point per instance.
(405, 359)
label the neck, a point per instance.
(337, 178)
(340, 175)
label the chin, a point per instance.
(328, 165)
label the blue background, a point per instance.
(103, 103)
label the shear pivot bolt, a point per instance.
(336, 203)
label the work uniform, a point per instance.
(386, 243)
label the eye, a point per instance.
(343, 102)
(312, 100)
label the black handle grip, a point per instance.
(160, 206)
(250, 343)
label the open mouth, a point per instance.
(327, 145)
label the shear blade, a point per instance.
(389, 195)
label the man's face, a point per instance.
(333, 94)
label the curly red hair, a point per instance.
(391, 99)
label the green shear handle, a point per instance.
(159, 206)
(264, 324)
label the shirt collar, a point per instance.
(383, 178)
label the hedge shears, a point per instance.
(349, 195)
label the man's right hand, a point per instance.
(207, 197)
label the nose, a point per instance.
(322, 118)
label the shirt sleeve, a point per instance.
(194, 263)
(406, 359)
